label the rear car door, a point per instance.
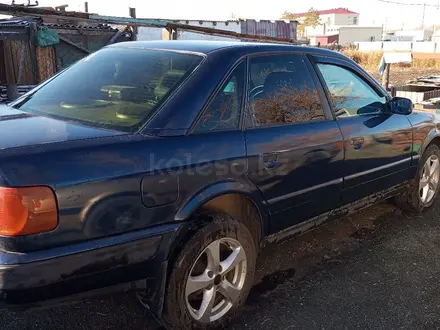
(377, 143)
(294, 146)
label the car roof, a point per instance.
(207, 47)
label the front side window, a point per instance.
(282, 91)
(223, 112)
(350, 94)
(117, 88)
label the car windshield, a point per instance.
(115, 88)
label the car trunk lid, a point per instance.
(19, 129)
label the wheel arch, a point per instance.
(241, 200)
(434, 139)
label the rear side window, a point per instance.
(282, 91)
(117, 88)
(224, 111)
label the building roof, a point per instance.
(329, 11)
(328, 36)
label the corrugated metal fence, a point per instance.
(278, 29)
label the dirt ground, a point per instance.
(400, 76)
(426, 55)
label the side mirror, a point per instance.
(401, 106)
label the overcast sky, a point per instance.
(373, 12)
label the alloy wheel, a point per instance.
(216, 280)
(429, 179)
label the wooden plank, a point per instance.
(386, 76)
(33, 34)
(128, 21)
(198, 29)
(46, 62)
(85, 50)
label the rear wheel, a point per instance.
(423, 190)
(211, 277)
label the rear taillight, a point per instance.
(27, 211)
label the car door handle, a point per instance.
(357, 142)
(270, 160)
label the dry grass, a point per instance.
(371, 60)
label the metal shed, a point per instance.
(23, 64)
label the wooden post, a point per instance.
(33, 32)
(132, 13)
(172, 34)
(386, 76)
(12, 92)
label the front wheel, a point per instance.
(423, 190)
(212, 275)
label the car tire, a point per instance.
(423, 189)
(197, 279)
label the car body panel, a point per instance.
(307, 163)
(101, 180)
(39, 130)
(244, 187)
(385, 152)
(85, 266)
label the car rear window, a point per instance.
(116, 88)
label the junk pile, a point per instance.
(424, 92)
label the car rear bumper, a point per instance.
(44, 278)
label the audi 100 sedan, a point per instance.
(164, 167)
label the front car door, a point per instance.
(377, 143)
(294, 146)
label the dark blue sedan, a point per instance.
(164, 167)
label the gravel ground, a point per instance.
(377, 269)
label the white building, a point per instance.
(416, 35)
(351, 34)
(336, 16)
(330, 21)
(339, 25)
